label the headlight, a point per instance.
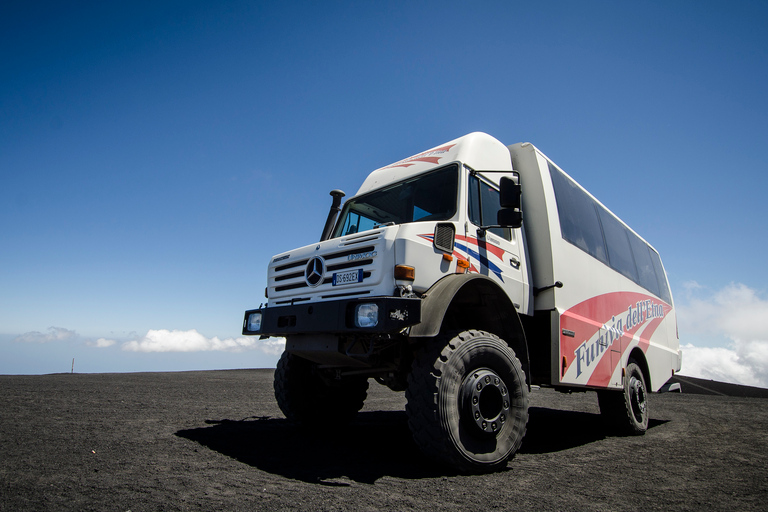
(367, 315)
(254, 322)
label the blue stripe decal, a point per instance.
(482, 259)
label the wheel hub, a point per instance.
(637, 392)
(486, 400)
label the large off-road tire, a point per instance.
(311, 399)
(468, 401)
(627, 411)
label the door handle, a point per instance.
(515, 263)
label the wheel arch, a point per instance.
(638, 356)
(472, 301)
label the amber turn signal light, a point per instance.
(405, 272)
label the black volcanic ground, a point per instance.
(217, 441)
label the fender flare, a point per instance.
(499, 314)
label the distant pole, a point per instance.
(73, 365)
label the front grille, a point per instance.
(291, 276)
(294, 264)
(349, 264)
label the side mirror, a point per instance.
(509, 193)
(509, 218)
(510, 198)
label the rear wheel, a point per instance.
(308, 397)
(468, 402)
(627, 410)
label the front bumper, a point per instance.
(337, 317)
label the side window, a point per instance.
(619, 251)
(484, 204)
(661, 276)
(591, 228)
(646, 273)
(578, 216)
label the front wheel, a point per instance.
(468, 402)
(309, 398)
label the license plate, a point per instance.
(348, 277)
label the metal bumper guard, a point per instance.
(395, 313)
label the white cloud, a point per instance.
(720, 364)
(163, 340)
(736, 314)
(272, 346)
(53, 334)
(101, 343)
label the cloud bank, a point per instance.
(163, 340)
(735, 313)
(159, 340)
(52, 334)
(723, 334)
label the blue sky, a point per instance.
(154, 155)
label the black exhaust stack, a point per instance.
(337, 195)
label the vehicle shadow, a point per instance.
(553, 430)
(375, 445)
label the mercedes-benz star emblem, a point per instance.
(314, 272)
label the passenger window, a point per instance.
(578, 216)
(646, 273)
(590, 227)
(619, 250)
(661, 276)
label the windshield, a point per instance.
(429, 196)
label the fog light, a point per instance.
(254, 322)
(367, 315)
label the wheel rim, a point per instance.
(637, 398)
(486, 400)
